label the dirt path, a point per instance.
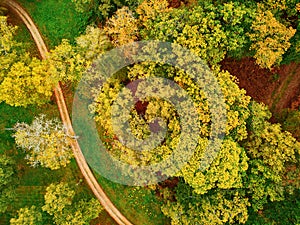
(82, 164)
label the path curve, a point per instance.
(82, 164)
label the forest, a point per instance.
(232, 67)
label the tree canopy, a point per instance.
(60, 204)
(45, 141)
(7, 182)
(258, 162)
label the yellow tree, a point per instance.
(65, 63)
(249, 168)
(6, 36)
(270, 39)
(57, 197)
(149, 9)
(93, 43)
(122, 27)
(23, 80)
(27, 83)
(28, 216)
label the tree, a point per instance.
(103, 9)
(57, 197)
(210, 31)
(28, 216)
(249, 170)
(271, 152)
(83, 5)
(26, 84)
(23, 80)
(285, 9)
(122, 27)
(150, 9)
(217, 207)
(270, 39)
(65, 63)
(291, 123)
(92, 44)
(59, 203)
(80, 213)
(45, 141)
(7, 36)
(255, 159)
(7, 182)
(26, 80)
(68, 62)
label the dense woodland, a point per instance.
(255, 177)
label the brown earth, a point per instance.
(278, 88)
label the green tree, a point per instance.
(80, 213)
(45, 142)
(210, 31)
(7, 182)
(271, 152)
(28, 216)
(291, 123)
(103, 9)
(57, 197)
(59, 203)
(216, 207)
(83, 5)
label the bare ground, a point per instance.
(279, 88)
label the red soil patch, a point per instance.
(179, 3)
(174, 3)
(279, 88)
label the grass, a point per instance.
(11, 115)
(22, 34)
(24, 37)
(276, 97)
(56, 19)
(32, 181)
(139, 205)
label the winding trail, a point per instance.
(80, 159)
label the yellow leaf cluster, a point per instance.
(122, 27)
(270, 39)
